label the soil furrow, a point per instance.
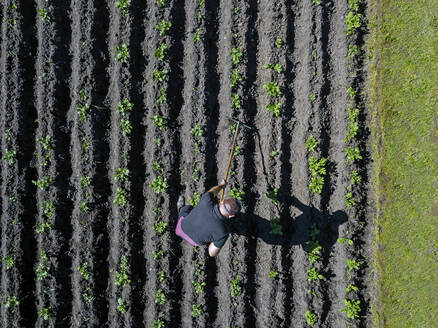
(334, 49)
(100, 150)
(27, 171)
(223, 144)
(211, 112)
(174, 142)
(191, 80)
(136, 164)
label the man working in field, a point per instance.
(207, 222)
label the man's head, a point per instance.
(229, 207)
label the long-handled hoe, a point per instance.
(230, 158)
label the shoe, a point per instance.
(180, 202)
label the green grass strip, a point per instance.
(404, 93)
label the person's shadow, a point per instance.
(298, 232)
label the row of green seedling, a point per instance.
(159, 184)
(317, 167)
(122, 173)
(273, 89)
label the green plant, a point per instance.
(43, 14)
(126, 127)
(48, 208)
(158, 142)
(120, 197)
(236, 10)
(195, 199)
(82, 111)
(160, 227)
(44, 182)
(159, 121)
(160, 298)
(236, 193)
(312, 97)
(160, 276)
(122, 278)
(316, 2)
(196, 310)
(313, 248)
(353, 264)
(317, 167)
(351, 92)
(161, 97)
(349, 200)
(276, 226)
(42, 227)
(157, 254)
(235, 288)
(159, 184)
(235, 77)
(122, 53)
(353, 22)
(123, 5)
(354, 4)
(316, 184)
(236, 55)
(353, 50)
(197, 130)
(12, 6)
(160, 75)
(351, 287)
(274, 108)
(355, 177)
(197, 35)
(273, 154)
(276, 67)
(195, 175)
(345, 240)
(161, 51)
(158, 323)
(85, 181)
(83, 270)
(10, 261)
(233, 128)
(273, 89)
(163, 26)
(124, 106)
(84, 143)
(121, 305)
(199, 286)
(279, 43)
(311, 144)
(236, 150)
(44, 313)
(272, 274)
(45, 141)
(122, 174)
(235, 101)
(272, 195)
(42, 271)
(11, 303)
(158, 167)
(161, 3)
(352, 308)
(312, 275)
(310, 316)
(9, 157)
(352, 154)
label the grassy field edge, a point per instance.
(403, 52)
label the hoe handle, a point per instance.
(229, 161)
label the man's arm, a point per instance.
(215, 190)
(213, 250)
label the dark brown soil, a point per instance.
(46, 68)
